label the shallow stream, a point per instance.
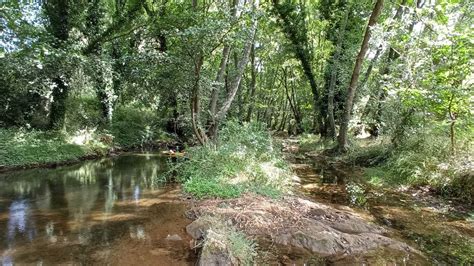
(443, 230)
(109, 211)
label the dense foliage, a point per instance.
(245, 160)
(124, 72)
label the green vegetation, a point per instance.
(386, 85)
(130, 128)
(446, 247)
(18, 148)
(243, 160)
(223, 240)
(424, 159)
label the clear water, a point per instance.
(93, 212)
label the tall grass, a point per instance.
(425, 158)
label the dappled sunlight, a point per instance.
(82, 136)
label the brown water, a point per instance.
(441, 229)
(111, 211)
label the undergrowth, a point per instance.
(134, 127)
(21, 147)
(243, 160)
(131, 127)
(422, 159)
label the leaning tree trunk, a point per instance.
(342, 138)
(235, 82)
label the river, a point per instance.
(108, 211)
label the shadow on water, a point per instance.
(443, 231)
(92, 213)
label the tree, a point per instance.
(58, 13)
(342, 138)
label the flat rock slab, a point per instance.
(320, 229)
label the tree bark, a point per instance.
(342, 138)
(57, 113)
(58, 14)
(195, 102)
(293, 104)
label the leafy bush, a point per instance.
(244, 160)
(132, 126)
(83, 112)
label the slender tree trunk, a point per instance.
(293, 104)
(235, 82)
(342, 138)
(253, 82)
(382, 94)
(332, 83)
(219, 79)
(303, 55)
(195, 102)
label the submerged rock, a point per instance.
(297, 223)
(174, 237)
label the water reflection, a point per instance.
(87, 204)
(19, 221)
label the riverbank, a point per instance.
(320, 219)
(22, 149)
(442, 228)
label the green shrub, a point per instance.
(83, 112)
(244, 160)
(133, 127)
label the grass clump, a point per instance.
(446, 247)
(242, 160)
(224, 243)
(310, 142)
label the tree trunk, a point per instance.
(332, 83)
(302, 54)
(342, 138)
(382, 94)
(253, 82)
(58, 14)
(235, 82)
(293, 104)
(195, 102)
(57, 113)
